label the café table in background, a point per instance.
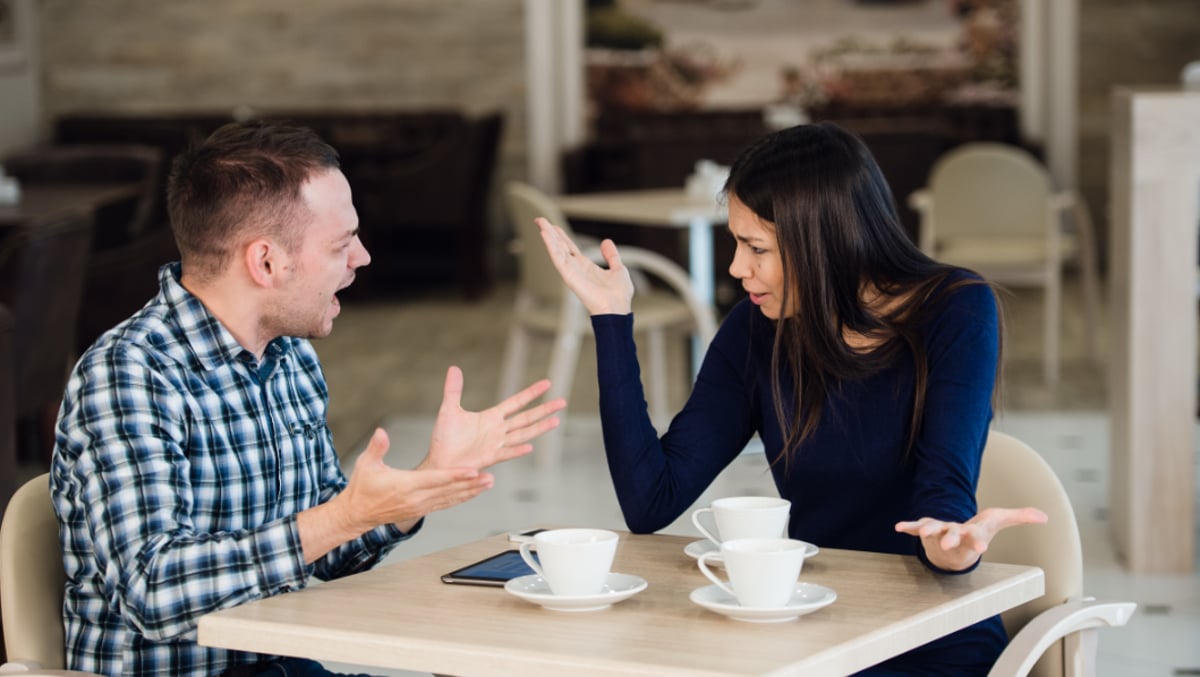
(402, 616)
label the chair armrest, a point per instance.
(1052, 625)
(920, 200)
(1063, 200)
(35, 669)
(637, 258)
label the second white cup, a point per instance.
(574, 562)
(762, 571)
(745, 517)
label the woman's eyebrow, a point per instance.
(743, 238)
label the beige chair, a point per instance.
(1060, 626)
(544, 307)
(991, 207)
(31, 584)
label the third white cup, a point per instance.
(745, 517)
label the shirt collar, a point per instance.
(209, 341)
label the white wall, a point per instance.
(20, 84)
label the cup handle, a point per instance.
(702, 562)
(706, 532)
(527, 555)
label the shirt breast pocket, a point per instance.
(306, 449)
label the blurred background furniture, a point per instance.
(544, 307)
(9, 470)
(31, 584)
(1059, 628)
(414, 204)
(130, 237)
(43, 256)
(421, 181)
(991, 208)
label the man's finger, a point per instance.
(516, 402)
(377, 448)
(529, 432)
(452, 391)
(531, 416)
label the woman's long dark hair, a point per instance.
(839, 234)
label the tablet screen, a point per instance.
(495, 570)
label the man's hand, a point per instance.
(481, 439)
(379, 494)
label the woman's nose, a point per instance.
(736, 269)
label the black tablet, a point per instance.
(495, 570)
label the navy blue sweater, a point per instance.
(852, 479)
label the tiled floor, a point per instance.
(1160, 640)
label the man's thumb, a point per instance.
(376, 448)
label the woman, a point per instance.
(867, 369)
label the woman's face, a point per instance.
(756, 260)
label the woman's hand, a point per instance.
(602, 291)
(955, 546)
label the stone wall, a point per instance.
(1124, 43)
(203, 55)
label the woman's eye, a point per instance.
(758, 250)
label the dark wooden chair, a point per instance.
(130, 239)
(42, 271)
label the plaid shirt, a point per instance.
(180, 463)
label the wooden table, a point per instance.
(50, 201)
(402, 616)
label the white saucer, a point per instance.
(534, 588)
(807, 598)
(697, 548)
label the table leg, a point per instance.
(700, 266)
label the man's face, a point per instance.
(324, 263)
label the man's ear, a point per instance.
(265, 262)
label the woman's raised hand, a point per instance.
(954, 546)
(603, 291)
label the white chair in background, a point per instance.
(1059, 628)
(544, 307)
(992, 208)
(31, 585)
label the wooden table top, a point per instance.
(664, 207)
(402, 616)
(47, 201)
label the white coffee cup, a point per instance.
(574, 562)
(745, 517)
(762, 571)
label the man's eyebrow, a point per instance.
(349, 234)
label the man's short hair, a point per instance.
(242, 182)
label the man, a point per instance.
(193, 468)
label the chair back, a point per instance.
(32, 577)
(989, 189)
(536, 273)
(1013, 475)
